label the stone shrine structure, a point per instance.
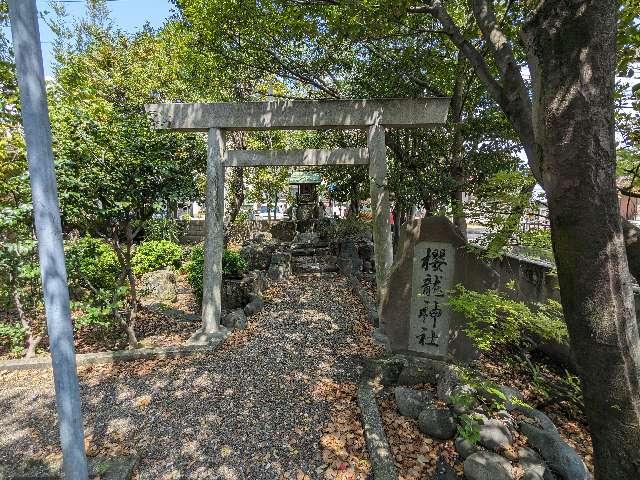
(305, 208)
(414, 315)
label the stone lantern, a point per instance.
(306, 207)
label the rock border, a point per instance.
(366, 299)
(43, 363)
(382, 460)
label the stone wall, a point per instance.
(195, 229)
(535, 280)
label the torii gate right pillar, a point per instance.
(380, 205)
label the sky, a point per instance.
(127, 15)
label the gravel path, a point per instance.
(254, 409)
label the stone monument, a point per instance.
(414, 315)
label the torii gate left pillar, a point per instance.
(214, 118)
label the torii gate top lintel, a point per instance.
(301, 114)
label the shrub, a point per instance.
(194, 269)
(12, 337)
(495, 320)
(154, 255)
(350, 226)
(164, 229)
(233, 265)
(92, 261)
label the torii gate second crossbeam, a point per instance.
(374, 115)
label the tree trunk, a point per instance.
(572, 50)
(124, 257)
(32, 340)
(457, 167)
(275, 208)
(354, 207)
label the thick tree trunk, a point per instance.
(572, 48)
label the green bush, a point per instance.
(92, 261)
(350, 226)
(164, 229)
(495, 320)
(155, 255)
(233, 265)
(12, 337)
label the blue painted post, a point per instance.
(37, 132)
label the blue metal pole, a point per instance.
(37, 131)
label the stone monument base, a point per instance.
(208, 338)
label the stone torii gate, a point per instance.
(215, 118)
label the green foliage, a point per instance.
(195, 270)
(164, 229)
(12, 337)
(96, 275)
(496, 200)
(347, 227)
(154, 255)
(536, 243)
(100, 308)
(495, 320)
(233, 265)
(92, 263)
(469, 428)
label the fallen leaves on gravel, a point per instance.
(343, 446)
(414, 453)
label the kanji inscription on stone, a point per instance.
(433, 272)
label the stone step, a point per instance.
(319, 244)
(308, 252)
(317, 264)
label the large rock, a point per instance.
(465, 448)
(558, 454)
(487, 466)
(280, 266)
(407, 295)
(448, 381)
(420, 371)
(437, 422)
(511, 395)
(159, 287)
(255, 305)
(544, 422)
(258, 255)
(283, 231)
(410, 402)
(495, 435)
(533, 465)
(235, 319)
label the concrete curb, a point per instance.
(43, 363)
(382, 464)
